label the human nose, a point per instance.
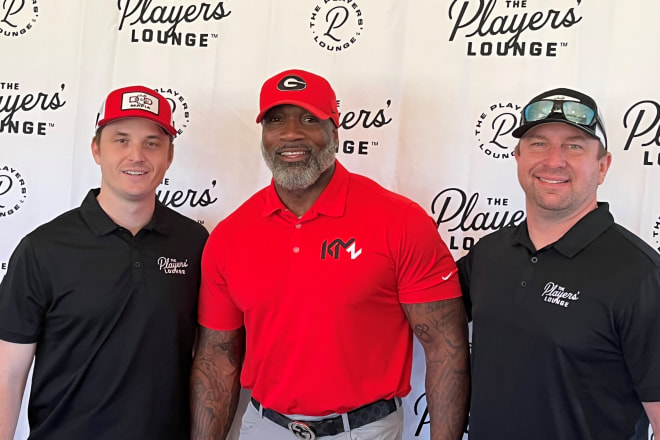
(291, 130)
(556, 156)
(136, 153)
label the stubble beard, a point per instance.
(300, 175)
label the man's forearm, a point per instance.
(447, 396)
(214, 384)
(10, 406)
(441, 328)
(14, 369)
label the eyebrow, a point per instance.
(578, 137)
(151, 136)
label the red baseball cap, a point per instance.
(136, 102)
(301, 88)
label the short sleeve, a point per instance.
(23, 297)
(640, 338)
(426, 271)
(464, 265)
(216, 309)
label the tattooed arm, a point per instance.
(441, 328)
(214, 382)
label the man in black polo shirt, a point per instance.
(565, 306)
(104, 296)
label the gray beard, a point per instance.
(300, 175)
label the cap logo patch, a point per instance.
(291, 82)
(141, 101)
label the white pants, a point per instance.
(255, 427)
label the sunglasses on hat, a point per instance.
(575, 112)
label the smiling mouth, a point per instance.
(551, 181)
(135, 173)
(292, 153)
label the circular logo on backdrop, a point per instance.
(13, 191)
(17, 17)
(493, 130)
(655, 235)
(336, 25)
(180, 110)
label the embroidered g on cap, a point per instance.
(301, 88)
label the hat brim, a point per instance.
(142, 115)
(520, 131)
(310, 108)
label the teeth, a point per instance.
(135, 173)
(292, 153)
(551, 181)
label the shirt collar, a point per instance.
(331, 202)
(101, 224)
(583, 233)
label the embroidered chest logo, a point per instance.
(332, 249)
(553, 293)
(172, 265)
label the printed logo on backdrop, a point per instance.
(336, 25)
(642, 120)
(17, 17)
(367, 119)
(13, 191)
(511, 27)
(421, 411)
(26, 112)
(180, 110)
(655, 235)
(493, 130)
(466, 218)
(175, 196)
(165, 23)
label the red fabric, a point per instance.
(325, 334)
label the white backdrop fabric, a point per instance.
(429, 92)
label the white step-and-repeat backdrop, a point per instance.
(429, 93)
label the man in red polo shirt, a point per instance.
(317, 281)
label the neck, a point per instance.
(545, 228)
(127, 214)
(299, 201)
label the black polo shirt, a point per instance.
(114, 319)
(566, 339)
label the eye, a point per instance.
(309, 118)
(271, 118)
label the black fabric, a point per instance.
(334, 425)
(113, 317)
(566, 339)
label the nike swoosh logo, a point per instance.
(445, 278)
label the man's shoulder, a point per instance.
(375, 193)
(184, 223)
(250, 210)
(68, 220)
(630, 244)
(505, 234)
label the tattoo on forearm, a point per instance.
(441, 327)
(214, 383)
(422, 332)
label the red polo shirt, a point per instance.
(320, 296)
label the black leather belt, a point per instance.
(310, 429)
